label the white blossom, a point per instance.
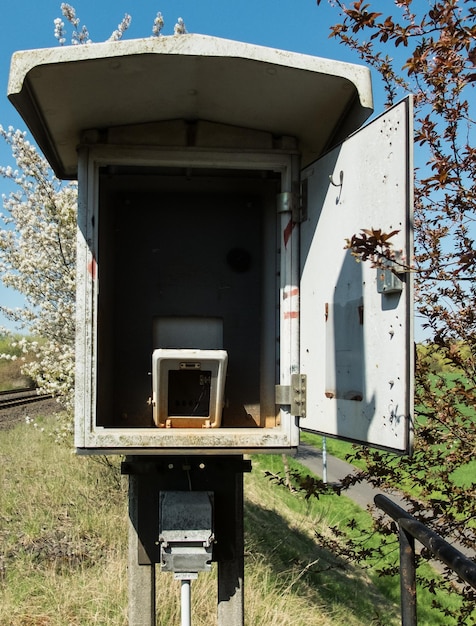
(37, 258)
(158, 25)
(121, 28)
(179, 28)
(59, 31)
(79, 36)
(70, 14)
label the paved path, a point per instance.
(362, 493)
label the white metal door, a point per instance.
(356, 342)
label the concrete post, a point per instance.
(147, 478)
(231, 609)
(141, 577)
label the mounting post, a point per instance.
(231, 571)
(141, 578)
(148, 477)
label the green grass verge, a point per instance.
(335, 447)
(342, 513)
(464, 476)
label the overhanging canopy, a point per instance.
(60, 92)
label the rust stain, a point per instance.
(330, 395)
(327, 311)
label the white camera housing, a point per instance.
(188, 387)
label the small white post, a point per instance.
(186, 602)
(324, 460)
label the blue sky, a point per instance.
(296, 25)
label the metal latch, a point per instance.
(388, 280)
(293, 395)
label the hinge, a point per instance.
(293, 395)
(294, 202)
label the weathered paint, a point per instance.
(320, 100)
(271, 430)
(354, 338)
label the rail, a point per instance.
(409, 529)
(20, 397)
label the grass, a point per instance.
(464, 476)
(11, 376)
(342, 513)
(335, 447)
(63, 535)
(63, 553)
(281, 537)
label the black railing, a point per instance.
(410, 529)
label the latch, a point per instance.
(293, 395)
(388, 280)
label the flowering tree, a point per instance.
(38, 242)
(81, 35)
(37, 258)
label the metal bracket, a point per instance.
(186, 534)
(177, 465)
(388, 277)
(293, 395)
(291, 202)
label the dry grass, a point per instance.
(63, 554)
(62, 531)
(11, 376)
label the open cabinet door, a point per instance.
(356, 336)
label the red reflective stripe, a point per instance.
(291, 293)
(287, 232)
(291, 315)
(92, 268)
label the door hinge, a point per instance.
(294, 202)
(293, 395)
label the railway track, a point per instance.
(20, 397)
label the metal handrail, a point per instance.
(410, 529)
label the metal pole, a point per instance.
(453, 558)
(186, 602)
(407, 578)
